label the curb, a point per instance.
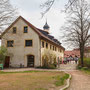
(67, 83)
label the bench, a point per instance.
(1, 66)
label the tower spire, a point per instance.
(46, 27)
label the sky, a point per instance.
(31, 11)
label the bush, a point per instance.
(79, 67)
(3, 52)
(50, 66)
(49, 60)
(85, 68)
(86, 62)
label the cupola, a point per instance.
(46, 27)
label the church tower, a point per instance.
(46, 27)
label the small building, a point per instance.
(72, 53)
(26, 43)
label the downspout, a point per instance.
(40, 50)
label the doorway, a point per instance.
(7, 62)
(30, 61)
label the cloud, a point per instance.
(30, 10)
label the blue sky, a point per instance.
(30, 10)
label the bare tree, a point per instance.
(49, 3)
(77, 29)
(7, 14)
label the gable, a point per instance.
(19, 22)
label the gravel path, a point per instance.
(79, 81)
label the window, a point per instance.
(46, 45)
(14, 29)
(42, 44)
(10, 43)
(50, 46)
(25, 29)
(60, 50)
(53, 47)
(28, 43)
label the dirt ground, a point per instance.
(29, 81)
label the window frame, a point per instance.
(46, 45)
(13, 30)
(24, 29)
(28, 40)
(50, 47)
(53, 48)
(43, 44)
(10, 41)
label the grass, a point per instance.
(86, 62)
(61, 80)
(86, 67)
(86, 71)
(31, 80)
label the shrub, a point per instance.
(86, 62)
(49, 60)
(79, 67)
(3, 52)
(51, 66)
(85, 68)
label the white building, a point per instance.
(26, 43)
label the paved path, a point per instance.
(79, 81)
(69, 66)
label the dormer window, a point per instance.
(14, 30)
(26, 29)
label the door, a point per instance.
(7, 62)
(30, 61)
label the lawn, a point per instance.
(32, 80)
(86, 71)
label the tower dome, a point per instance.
(46, 27)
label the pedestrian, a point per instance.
(76, 59)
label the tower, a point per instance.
(46, 27)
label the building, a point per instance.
(26, 43)
(76, 52)
(72, 53)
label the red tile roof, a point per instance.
(72, 53)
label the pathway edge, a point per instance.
(67, 82)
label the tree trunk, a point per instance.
(82, 55)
